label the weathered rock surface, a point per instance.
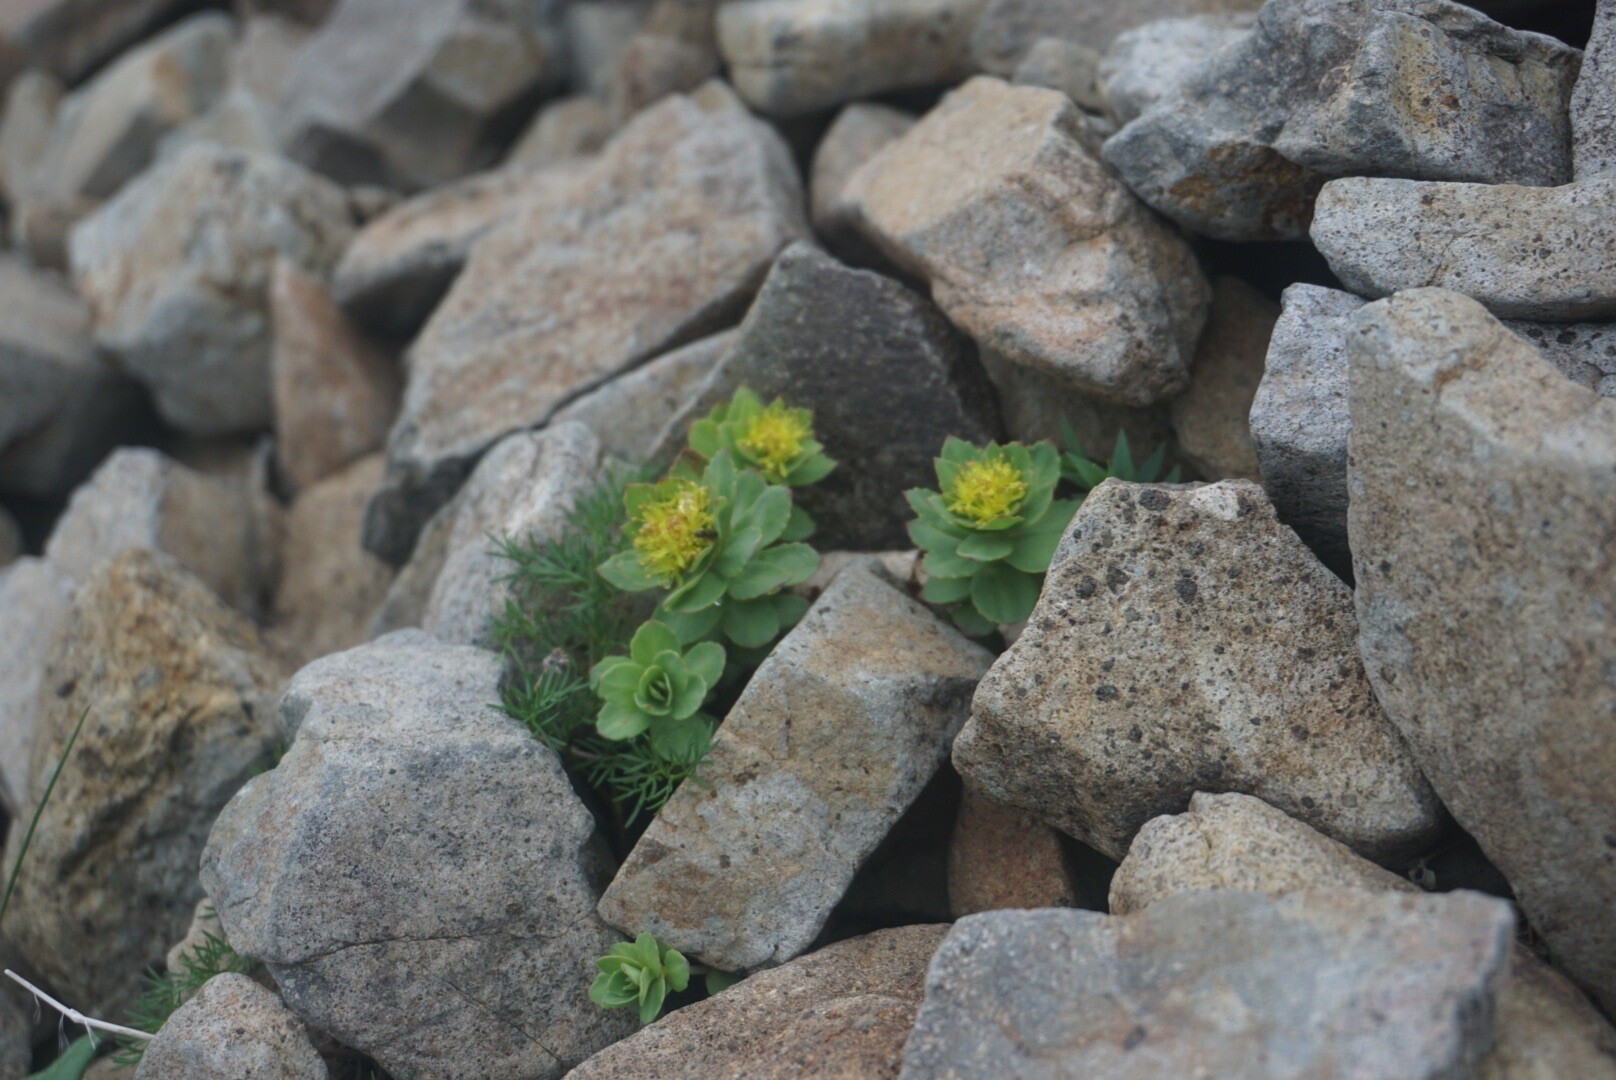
(998, 199)
(674, 50)
(661, 240)
(788, 57)
(837, 732)
(27, 122)
(408, 93)
(1593, 102)
(1066, 66)
(141, 498)
(1008, 29)
(335, 392)
(1524, 252)
(1000, 858)
(400, 762)
(176, 270)
(1211, 417)
(232, 1027)
(841, 1012)
(16, 1039)
(330, 586)
(34, 599)
(1150, 63)
(1186, 641)
(521, 489)
(178, 697)
(858, 133)
(1326, 983)
(1039, 406)
(570, 127)
(1489, 650)
(70, 38)
(887, 379)
(1424, 89)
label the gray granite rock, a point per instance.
(410, 93)
(673, 51)
(1426, 89)
(1008, 29)
(35, 597)
(1150, 63)
(569, 127)
(1098, 292)
(887, 379)
(416, 872)
(1067, 66)
(232, 1027)
(598, 31)
(1211, 417)
(858, 133)
(178, 695)
(71, 38)
(789, 57)
(1585, 353)
(1593, 103)
(1490, 649)
(837, 732)
(1186, 641)
(1326, 983)
(1039, 406)
(176, 271)
(1000, 858)
(843, 1011)
(675, 222)
(27, 122)
(1524, 252)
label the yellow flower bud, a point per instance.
(674, 529)
(985, 490)
(774, 438)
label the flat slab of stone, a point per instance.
(836, 734)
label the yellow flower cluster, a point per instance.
(985, 490)
(675, 529)
(774, 438)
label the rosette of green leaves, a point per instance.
(641, 972)
(659, 688)
(736, 586)
(776, 440)
(1086, 475)
(988, 573)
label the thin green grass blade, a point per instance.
(33, 822)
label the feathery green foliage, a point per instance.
(166, 991)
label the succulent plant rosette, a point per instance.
(989, 531)
(639, 973)
(659, 689)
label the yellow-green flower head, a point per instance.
(674, 529)
(985, 490)
(775, 438)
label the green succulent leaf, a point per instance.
(1035, 544)
(751, 623)
(789, 608)
(621, 721)
(986, 547)
(971, 622)
(624, 571)
(639, 974)
(706, 661)
(945, 591)
(1002, 594)
(798, 527)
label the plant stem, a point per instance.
(74, 1015)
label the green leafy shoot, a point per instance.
(658, 690)
(1087, 475)
(167, 991)
(776, 440)
(73, 1062)
(639, 973)
(39, 809)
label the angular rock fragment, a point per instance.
(1186, 641)
(176, 271)
(999, 858)
(1066, 66)
(27, 123)
(858, 133)
(835, 735)
(1585, 353)
(1150, 63)
(570, 127)
(70, 38)
(1593, 102)
(34, 599)
(1008, 29)
(400, 763)
(998, 199)
(178, 698)
(789, 57)
(410, 93)
(674, 50)
(232, 1027)
(1211, 417)
(1039, 406)
(1424, 89)
(887, 379)
(1524, 252)
(674, 224)
(1325, 983)
(335, 393)
(843, 1011)
(1491, 649)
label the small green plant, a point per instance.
(658, 689)
(1086, 475)
(776, 440)
(167, 991)
(72, 1063)
(989, 530)
(642, 973)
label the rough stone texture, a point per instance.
(1490, 649)
(400, 762)
(16, 1038)
(1210, 418)
(630, 414)
(1038, 406)
(1524, 252)
(998, 199)
(1008, 29)
(841, 1013)
(837, 732)
(1593, 102)
(335, 392)
(1299, 418)
(1186, 641)
(1326, 983)
(34, 599)
(1545, 1028)
(1424, 89)
(661, 240)
(410, 93)
(141, 498)
(1585, 353)
(1150, 63)
(404, 607)
(176, 271)
(330, 586)
(179, 698)
(858, 133)
(887, 378)
(70, 38)
(232, 1027)
(401, 263)
(674, 50)
(521, 489)
(789, 57)
(568, 128)
(1066, 66)
(999, 858)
